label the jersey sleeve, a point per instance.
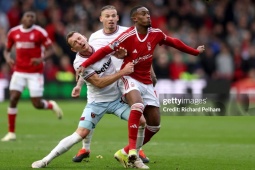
(10, 41)
(176, 43)
(108, 49)
(88, 71)
(46, 41)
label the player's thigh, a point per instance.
(131, 90)
(152, 115)
(92, 114)
(119, 109)
(18, 82)
(150, 97)
(36, 84)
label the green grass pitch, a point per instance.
(183, 143)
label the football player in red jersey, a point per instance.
(140, 42)
(29, 40)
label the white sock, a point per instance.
(140, 138)
(63, 146)
(123, 152)
(45, 104)
(87, 140)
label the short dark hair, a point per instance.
(107, 7)
(133, 10)
(70, 34)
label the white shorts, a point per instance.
(147, 91)
(34, 82)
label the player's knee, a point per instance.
(14, 99)
(37, 105)
(154, 129)
(138, 106)
(83, 132)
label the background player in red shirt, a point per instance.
(140, 42)
(30, 41)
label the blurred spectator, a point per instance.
(161, 65)
(177, 66)
(224, 63)
(208, 63)
(50, 70)
(66, 72)
(239, 64)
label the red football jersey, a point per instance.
(29, 43)
(140, 49)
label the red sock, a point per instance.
(11, 121)
(49, 106)
(133, 124)
(126, 149)
(148, 135)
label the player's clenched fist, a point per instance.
(201, 48)
(128, 69)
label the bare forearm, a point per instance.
(153, 77)
(7, 54)
(102, 82)
(80, 82)
(48, 53)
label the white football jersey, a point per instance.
(100, 39)
(103, 68)
(107, 66)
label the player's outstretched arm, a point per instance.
(102, 82)
(178, 44)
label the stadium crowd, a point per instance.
(227, 28)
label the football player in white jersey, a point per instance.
(104, 96)
(98, 39)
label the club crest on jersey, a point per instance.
(93, 115)
(32, 36)
(17, 36)
(149, 46)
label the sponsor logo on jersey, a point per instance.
(25, 45)
(105, 67)
(143, 58)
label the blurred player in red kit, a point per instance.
(33, 46)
